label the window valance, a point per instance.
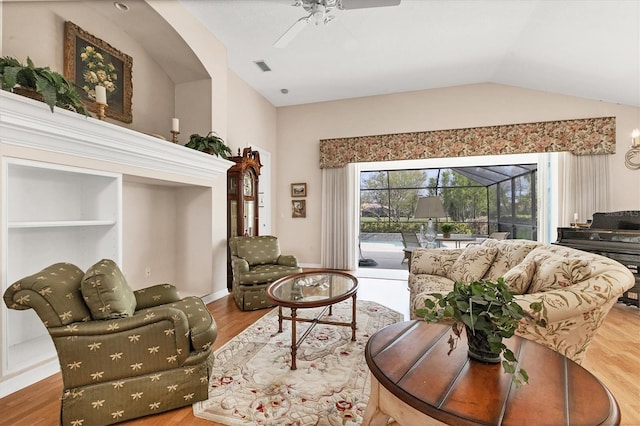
(581, 137)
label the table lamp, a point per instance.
(430, 207)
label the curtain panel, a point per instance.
(587, 136)
(585, 187)
(340, 226)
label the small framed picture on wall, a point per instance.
(298, 189)
(298, 208)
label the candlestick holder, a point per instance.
(175, 136)
(101, 110)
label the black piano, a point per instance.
(615, 235)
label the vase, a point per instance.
(479, 348)
(446, 235)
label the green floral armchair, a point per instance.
(256, 262)
(123, 354)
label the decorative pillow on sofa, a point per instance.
(433, 261)
(519, 277)
(555, 271)
(510, 254)
(106, 292)
(472, 263)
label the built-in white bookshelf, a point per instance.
(53, 213)
(66, 183)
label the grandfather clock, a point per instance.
(242, 198)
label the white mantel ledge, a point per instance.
(28, 123)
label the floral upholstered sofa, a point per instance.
(576, 288)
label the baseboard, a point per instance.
(27, 378)
(310, 265)
(214, 296)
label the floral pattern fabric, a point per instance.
(518, 278)
(253, 384)
(510, 253)
(576, 290)
(433, 261)
(472, 264)
(581, 137)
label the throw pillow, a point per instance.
(519, 277)
(106, 292)
(433, 261)
(510, 254)
(472, 263)
(556, 271)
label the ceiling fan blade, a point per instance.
(361, 4)
(292, 32)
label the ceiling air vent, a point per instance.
(263, 66)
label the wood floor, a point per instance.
(613, 357)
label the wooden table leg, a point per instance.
(279, 319)
(353, 318)
(294, 344)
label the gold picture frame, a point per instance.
(298, 189)
(89, 61)
(298, 208)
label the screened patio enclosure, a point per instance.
(477, 200)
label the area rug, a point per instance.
(252, 382)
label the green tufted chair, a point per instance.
(256, 262)
(123, 353)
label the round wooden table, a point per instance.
(414, 381)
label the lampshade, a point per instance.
(429, 207)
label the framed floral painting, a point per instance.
(89, 61)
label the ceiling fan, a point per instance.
(322, 11)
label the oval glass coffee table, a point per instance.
(313, 289)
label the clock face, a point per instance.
(248, 184)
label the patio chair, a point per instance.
(410, 241)
(492, 236)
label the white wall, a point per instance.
(147, 239)
(36, 29)
(252, 122)
(301, 127)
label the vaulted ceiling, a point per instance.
(584, 48)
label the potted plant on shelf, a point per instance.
(446, 230)
(488, 313)
(40, 83)
(211, 144)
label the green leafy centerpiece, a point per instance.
(55, 89)
(489, 314)
(211, 144)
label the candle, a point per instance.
(575, 217)
(101, 95)
(635, 138)
(175, 125)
